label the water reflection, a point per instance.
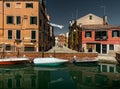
(101, 76)
(106, 76)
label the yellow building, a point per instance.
(23, 24)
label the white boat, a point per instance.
(49, 61)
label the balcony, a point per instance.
(33, 40)
(18, 40)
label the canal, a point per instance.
(69, 76)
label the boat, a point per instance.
(49, 61)
(86, 61)
(13, 60)
(118, 57)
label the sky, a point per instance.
(62, 11)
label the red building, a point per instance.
(96, 35)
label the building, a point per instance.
(92, 33)
(66, 37)
(24, 25)
(60, 40)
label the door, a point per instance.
(98, 47)
(104, 48)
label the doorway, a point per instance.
(98, 47)
(104, 48)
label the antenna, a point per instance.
(76, 13)
(104, 9)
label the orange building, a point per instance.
(24, 25)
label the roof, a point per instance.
(99, 26)
(90, 19)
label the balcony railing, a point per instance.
(18, 40)
(33, 40)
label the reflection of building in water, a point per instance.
(23, 79)
(108, 68)
(97, 80)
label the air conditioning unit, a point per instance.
(25, 17)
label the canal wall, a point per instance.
(33, 55)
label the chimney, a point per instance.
(105, 20)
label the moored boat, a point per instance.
(49, 61)
(118, 57)
(12, 60)
(86, 61)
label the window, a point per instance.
(8, 48)
(115, 33)
(18, 34)
(88, 34)
(33, 34)
(18, 5)
(101, 35)
(8, 5)
(33, 20)
(29, 5)
(30, 49)
(9, 34)
(10, 20)
(90, 17)
(18, 20)
(111, 47)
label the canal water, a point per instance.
(69, 76)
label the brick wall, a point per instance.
(68, 56)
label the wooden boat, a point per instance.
(118, 57)
(86, 61)
(49, 61)
(12, 60)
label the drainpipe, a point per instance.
(3, 18)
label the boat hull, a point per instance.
(48, 61)
(49, 64)
(93, 63)
(12, 61)
(86, 62)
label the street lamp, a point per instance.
(74, 36)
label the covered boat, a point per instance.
(49, 61)
(12, 60)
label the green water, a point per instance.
(102, 76)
